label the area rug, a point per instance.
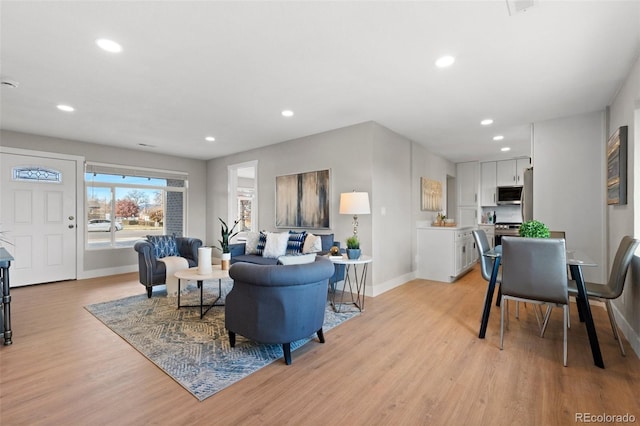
(194, 352)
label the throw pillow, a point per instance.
(300, 259)
(296, 240)
(163, 245)
(262, 241)
(251, 245)
(276, 245)
(312, 244)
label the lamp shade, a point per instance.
(354, 203)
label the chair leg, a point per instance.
(547, 315)
(149, 291)
(286, 348)
(565, 317)
(232, 339)
(614, 326)
(320, 335)
(502, 303)
(517, 310)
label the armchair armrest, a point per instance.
(146, 261)
(188, 248)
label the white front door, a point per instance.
(38, 216)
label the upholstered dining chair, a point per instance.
(486, 264)
(535, 270)
(614, 287)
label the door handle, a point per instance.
(71, 226)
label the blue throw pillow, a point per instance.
(261, 243)
(163, 245)
(296, 241)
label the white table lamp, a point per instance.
(354, 203)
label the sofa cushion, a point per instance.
(252, 258)
(276, 245)
(251, 244)
(312, 244)
(296, 241)
(327, 241)
(163, 245)
(299, 259)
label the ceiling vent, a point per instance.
(517, 6)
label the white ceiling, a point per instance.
(227, 69)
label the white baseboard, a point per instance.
(632, 336)
(95, 273)
(380, 288)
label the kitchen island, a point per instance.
(444, 253)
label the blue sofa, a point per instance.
(237, 251)
(277, 304)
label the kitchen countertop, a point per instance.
(423, 224)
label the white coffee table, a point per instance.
(192, 274)
(358, 280)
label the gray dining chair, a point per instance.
(486, 264)
(614, 287)
(535, 270)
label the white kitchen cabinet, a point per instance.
(467, 183)
(444, 254)
(511, 172)
(490, 231)
(521, 165)
(488, 179)
(467, 216)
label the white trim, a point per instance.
(96, 273)
(632, 337)
(118, 168)
(378, 289)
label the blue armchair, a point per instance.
(151, 272)
(277, 304)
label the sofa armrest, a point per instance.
(237, 249)
(188, 248)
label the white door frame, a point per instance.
(80, 222)
(232, 189)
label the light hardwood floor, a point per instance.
(413, 357)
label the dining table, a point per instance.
(576, 259)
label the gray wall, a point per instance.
(569, 184)
(625, 111)
(111, 261)
(364, 157)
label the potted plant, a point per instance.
(353, 247)
(227, 234)
(534, 229)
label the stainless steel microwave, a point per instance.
(509, 195)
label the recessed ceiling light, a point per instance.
(498, 138)
(209, 139)
(66, 108)
(287, 113)
(109, 45)
(486, 122)
(445, 61)
(505, 149)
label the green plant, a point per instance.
(227, 234)
(534, 229)
(353, 243)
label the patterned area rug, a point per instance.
(194, 352)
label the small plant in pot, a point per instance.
(353, 247)
(534, 229)
(227, 234)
